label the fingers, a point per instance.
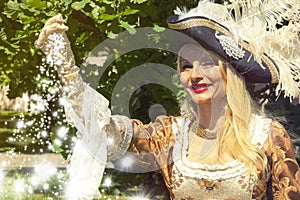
(56, 27)
(54, 24)
(55, 19)
(47, 30)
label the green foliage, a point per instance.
(20, 139)
(89, 21)
(126, 185)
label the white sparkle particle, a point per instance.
(46, 186)
(107, 182)
(44, 172)
(127, 162)
(19, 186)
(44, 134)
(62, 101)
(20, 124)
(34, 181)
(62, 131)
(57, 142)
(55, 114)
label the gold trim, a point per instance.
(265, 59)
(217, 27)
(272, 68)
(201, 132)
(199, 22)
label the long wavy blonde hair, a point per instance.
(235, 137)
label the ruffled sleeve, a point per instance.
(85, 109)
(130, 144)
(150, 148)
(88, 111)
(153, 141)
(285, 173)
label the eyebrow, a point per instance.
(183, 60)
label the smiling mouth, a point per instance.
(199, 88)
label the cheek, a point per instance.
(183, 78)
(213, 75)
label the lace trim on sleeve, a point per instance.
(91, 116)
(260, 127)
(125, 126)
(85, 175)
(76, 86)
(71, 96)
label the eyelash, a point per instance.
(187, 66)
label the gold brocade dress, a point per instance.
(162, 146)
(167, 141)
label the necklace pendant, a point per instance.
(209, 184)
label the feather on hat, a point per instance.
(251, 36)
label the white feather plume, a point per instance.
(260, 23)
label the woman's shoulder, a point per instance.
(161, 123)
(260, 129)
(270, 132)
(279, 136)
(167, 120)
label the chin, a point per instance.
(203, 99)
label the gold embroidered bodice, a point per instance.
(188, 180)
(191, 180)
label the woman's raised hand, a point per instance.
(54, 43)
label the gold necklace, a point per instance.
(201, 132)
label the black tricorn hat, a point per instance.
(218, 39)
(245, 42)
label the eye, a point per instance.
(207, 61)
(187, 66)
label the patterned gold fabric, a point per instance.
(285, 173)
(158, 139)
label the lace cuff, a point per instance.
(91, 116)
(123, 137)
(85, 175)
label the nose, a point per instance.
(196, 74)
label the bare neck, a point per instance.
(210, 113)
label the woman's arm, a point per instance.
(285, 172)
(85, 109)
(149, 144)
(151, 147)
(100, 134)
(54, 43)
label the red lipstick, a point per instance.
(199, 88)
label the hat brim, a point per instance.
(204, 31)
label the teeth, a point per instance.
(198, 87)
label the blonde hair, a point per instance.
(235, 138)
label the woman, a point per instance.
(220, 148)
